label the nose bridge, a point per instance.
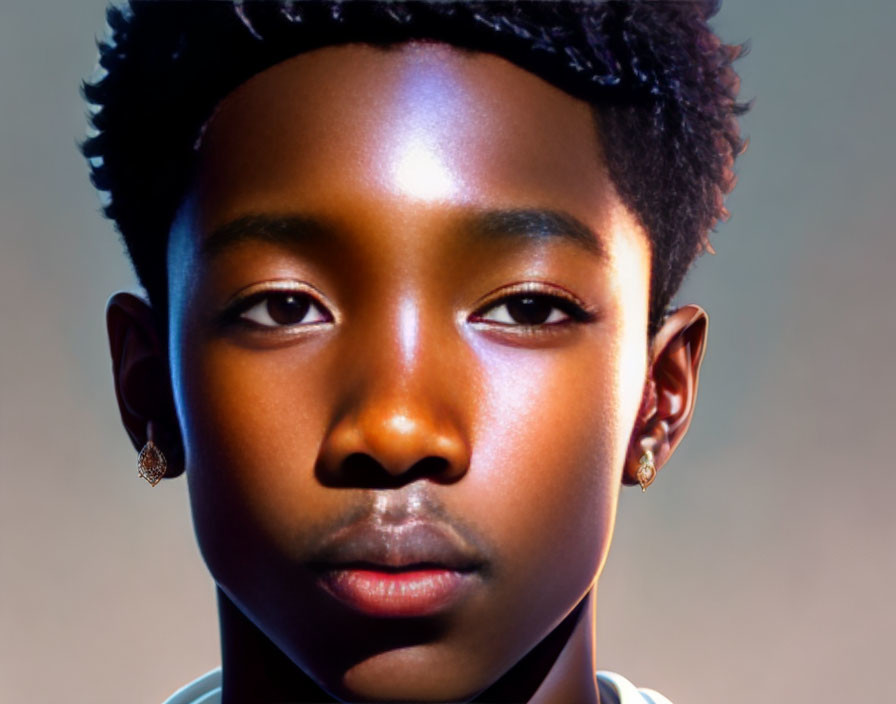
(391, 350)
(407, 325)
(399, 390)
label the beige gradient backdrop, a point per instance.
(759, 567)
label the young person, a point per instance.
(407, 268)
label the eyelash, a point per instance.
(575, 311)
(236, 312)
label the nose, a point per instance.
(390, 443)
(399, 421)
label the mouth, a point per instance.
(410, 569)
(414, 592)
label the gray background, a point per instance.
(761, 564)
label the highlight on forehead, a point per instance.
(427, 122)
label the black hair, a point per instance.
(659, 80)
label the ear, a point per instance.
(142, 381)
(670, 391)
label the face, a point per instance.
(408, 320)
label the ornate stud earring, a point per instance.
(646, 470)
(151, 463)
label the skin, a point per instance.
(408, 357)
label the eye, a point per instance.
(278, 309)
(531, 309)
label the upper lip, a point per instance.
(415, 542)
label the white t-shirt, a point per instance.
(207, 690)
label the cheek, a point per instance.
(548, 452)
(252, 428)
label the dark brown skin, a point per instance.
(411, 348)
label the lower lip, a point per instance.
(421, 592)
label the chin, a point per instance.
(406, 675)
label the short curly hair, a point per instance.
(659, 80)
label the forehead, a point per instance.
(419, 123)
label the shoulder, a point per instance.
(624, 692)
(205, 690)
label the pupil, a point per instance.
(529, 310)
(288, 309)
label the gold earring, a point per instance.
(646, 470)
(151, 463)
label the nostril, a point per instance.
(363, 471)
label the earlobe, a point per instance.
(140, 374)
(670, 393)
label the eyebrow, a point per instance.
(276, 229)
(533, 224)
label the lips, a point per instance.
(407, 569)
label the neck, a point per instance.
(558, 670)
